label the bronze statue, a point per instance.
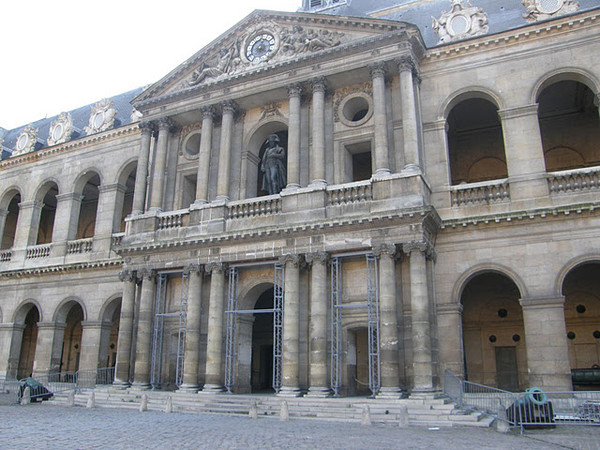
(272, 166)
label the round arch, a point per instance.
(468, 93)
(479, 269)
(85, 176)
(22, 310)
(250, 290)
(9, 194)
(125, 170)
(109, 307)
(62, 310)
(570, 266)
(564, 74)
(44, 187)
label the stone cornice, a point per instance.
(63, 268)
(525, 33)
(69, 146)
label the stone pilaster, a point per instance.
(28, 223)
(143, 348)
(382, 164)
(125, 339)
(229, 108)
(208, 114)
(3, 215)
(214, 341)
(388, 321)
(293, 157)
(66, 220)
(11, 340)
(546, 339)
(291, 330)
(317, 327)
(160, 164)
(48, 348)
(141, 172)
(192, 331)
(108, 216)
(410, 129)
(317, 156)
(91, 335)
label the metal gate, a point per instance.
(337, 307)
(231, 336)
(160, 314)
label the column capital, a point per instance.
(377, 70)
(406, 64)
(192, 268)
(147, 127)
(423, 246)
(385, 249)
(214, 267)
(321, 257)
(146, 274)
(229, 106)
(208, 112)
(165, 124)
(294, 90)
(291, 258)
(127, 275)
(31, 204)
(318, 84)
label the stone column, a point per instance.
(449, 324)
(410, 131)
(143, 348)
(192, 329)
(382, 163)
(524, 152)
(214, 340)
(107, 218)
(11, 340)
(421, 328)
(229, 108)
(317, 326)
(91, 334)
(546, 339)
(388, 321)
(293, 156)
(160, 164)
(317, 156)
(3, 215)
(141, 172)
(27, 224)
(65, 221)
(125, 339)
(48, 348)
(208, 114)
(291, 330)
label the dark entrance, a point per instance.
(261, 378)
(506, 368)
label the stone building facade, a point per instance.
(439, 209)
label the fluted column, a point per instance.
(419, 304)
(122, 368)
(409, 115)
(293, 157)
(291, 329)
(160, 164)
(214, 340)
(208, 115)
(317, 326)
(388, 321)
(143, 348)
(192, 329)
(229, 108)
(382, 163)
(141, 171)
(317, 156)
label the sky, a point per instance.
(59, 55)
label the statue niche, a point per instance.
(273, 164)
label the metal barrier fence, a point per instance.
(529, 409)
(43, 387)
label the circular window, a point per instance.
(516, 338)
(581, 309)
(58, 131)
(192, 145)
(459, 24)
(571, 335)
(549, 6)
(355, 110)
(98, 119)
(596, 334)
(502, 313)
(22, 142)
(492, 338)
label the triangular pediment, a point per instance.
(268, 39)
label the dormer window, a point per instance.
(321, 5)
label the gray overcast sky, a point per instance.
(62, 54)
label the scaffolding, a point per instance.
(160, 313)
(337, 308)
(232, 313)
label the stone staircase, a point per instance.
(430, 410)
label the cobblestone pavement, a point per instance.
(48, 427)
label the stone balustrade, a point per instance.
(359, 191)
(570, 181)
(38, 251)
(116, 239)
(173, 219)
(261, 206)
(80, 246)
(6, 255)
(483, 193)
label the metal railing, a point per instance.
(532, 408)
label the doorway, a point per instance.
(262, 344)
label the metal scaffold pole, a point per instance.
(373, 319)
(183, 303)
(336, 327)
(230, 347)
(278, 302)
(157, 338)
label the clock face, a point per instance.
(260, 47)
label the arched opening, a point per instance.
(126, 202)
(581, 289)
(10, 223)
(71, 348)
(570, 126)
(47, 214)
(86, 224)
(107, 356)
(475, 142)
(28, 343)
(261, 378)
(493, 332)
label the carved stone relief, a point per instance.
(102, 117)
(61, 129)
(26, 141)
(547, 9)
(461, 22)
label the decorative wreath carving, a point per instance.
(546, 9)
(26, 141)
(102, 117)
(461, 22)
(61, 129)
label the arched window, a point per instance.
(48, 213)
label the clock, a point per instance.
(260, 47)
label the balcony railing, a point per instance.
(349, 193)
(5, 255)
(80, 246)
(173, 219)
(117, 239)
(38, 251)
(483, 193)
(261, 206)
(578, 180)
